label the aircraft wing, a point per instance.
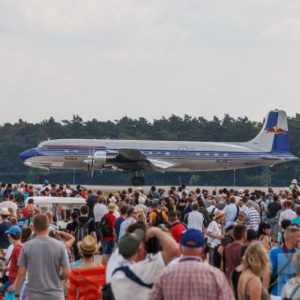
(130, 159)
(271, 157)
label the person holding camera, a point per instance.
(134, 281)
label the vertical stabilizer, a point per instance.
(273, 137)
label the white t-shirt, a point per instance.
(215, 228)
(146, 270)
(195, 220)
(99, 211)
(287, 214)
(115, 261)
(8, 204)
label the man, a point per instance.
(195, 218)
(176, 227)
(281, 261)
(131, 218)
(253, 216)
(52, 226)
(231, 211)
(10, 203)
(27, 207)
(14, 235)
(297, 219)
(145, 270)
(90, 202)
(99, 209)
(272, 209)
(4, 226)
(157, 215)
(287, 213)
(107, 229)
(215, 234)
(190, 278)
(45, 261)
(232, 252)
(119, 221)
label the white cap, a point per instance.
(4, 212)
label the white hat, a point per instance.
(295, 181)
(113, 200)
(4, 212)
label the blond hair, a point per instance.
(256, 258)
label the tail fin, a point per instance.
(273, 137)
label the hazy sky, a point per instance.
(141, 58)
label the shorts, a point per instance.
(107, 247)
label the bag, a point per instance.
(107, 293)
(293, 293)
(159, 219)
(104, 227)
(82, 230)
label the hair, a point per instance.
(256, 258)
(172, 216)
(84, 210)
(262, 226)
(137, 225)
(123, 210)
(232, 200)
(15, 237)
(40, 223)
(195, 206)
(74, 215)
(251, 235)
(130, 210)
(26, 233)
(239, 231)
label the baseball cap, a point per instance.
(130, 242)
(192, 238)
(4, 212)
(14, 230)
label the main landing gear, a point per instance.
(138, 179)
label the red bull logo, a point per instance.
(276, 130)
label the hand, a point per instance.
(221, 237)
(152, 232)
(11, 288)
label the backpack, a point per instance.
(104, 227)
(159, 219)
(82, 230)
(211, 215)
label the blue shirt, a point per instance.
(230, 211)
(278, 259)
(124, 225)
(296, 221)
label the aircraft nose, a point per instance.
(27, 154)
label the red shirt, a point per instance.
(25, 210)
(176, 230)
(111, 224)
(86, 283)
(13, 268)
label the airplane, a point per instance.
(269, 147)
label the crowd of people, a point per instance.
(175, 243)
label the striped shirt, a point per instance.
(191, 279)
(86, 283)
(254, 219)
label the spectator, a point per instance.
(90, 202)
(281, 260)
(253, 216)
(215, 234)
(231, 212)
(190, 277)
(4, 226)
(107, 229)
(291, 290)
(176, 227)
(232, 251)
(157, 216)
(287, 213)
(45, 259)
(296, 220)
(255, 264)
(119, 221)
(145, 269)
(195, 218)
(264, 235)
(131, 218)
(86, 281)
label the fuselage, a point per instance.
(184, 156)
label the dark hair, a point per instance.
(26, 233)
(262, 226)
(130, 210)
(123, 210)
(239, 231)
(137, 225)
(251, 235)
(195, 206)
(172, 215)
(84, 210)
(74, 215)
(285, 224)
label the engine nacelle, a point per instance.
(99, 158)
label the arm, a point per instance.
(254, 289)
(65, 273)
(214, 235)
(170, 248)
(69, 239)
(20, 279)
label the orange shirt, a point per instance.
(87, 283)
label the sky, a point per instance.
(140, 58)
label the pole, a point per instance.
(73, 176)
(234, 177)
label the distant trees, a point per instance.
(23, 135)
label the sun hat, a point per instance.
(111, 207)
(88, 245)
(218, 214)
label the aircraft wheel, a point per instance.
(138, 181)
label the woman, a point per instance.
(86, 281)
(254, 264)
(291, 289)
(264, 235)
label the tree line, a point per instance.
(22, 135)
